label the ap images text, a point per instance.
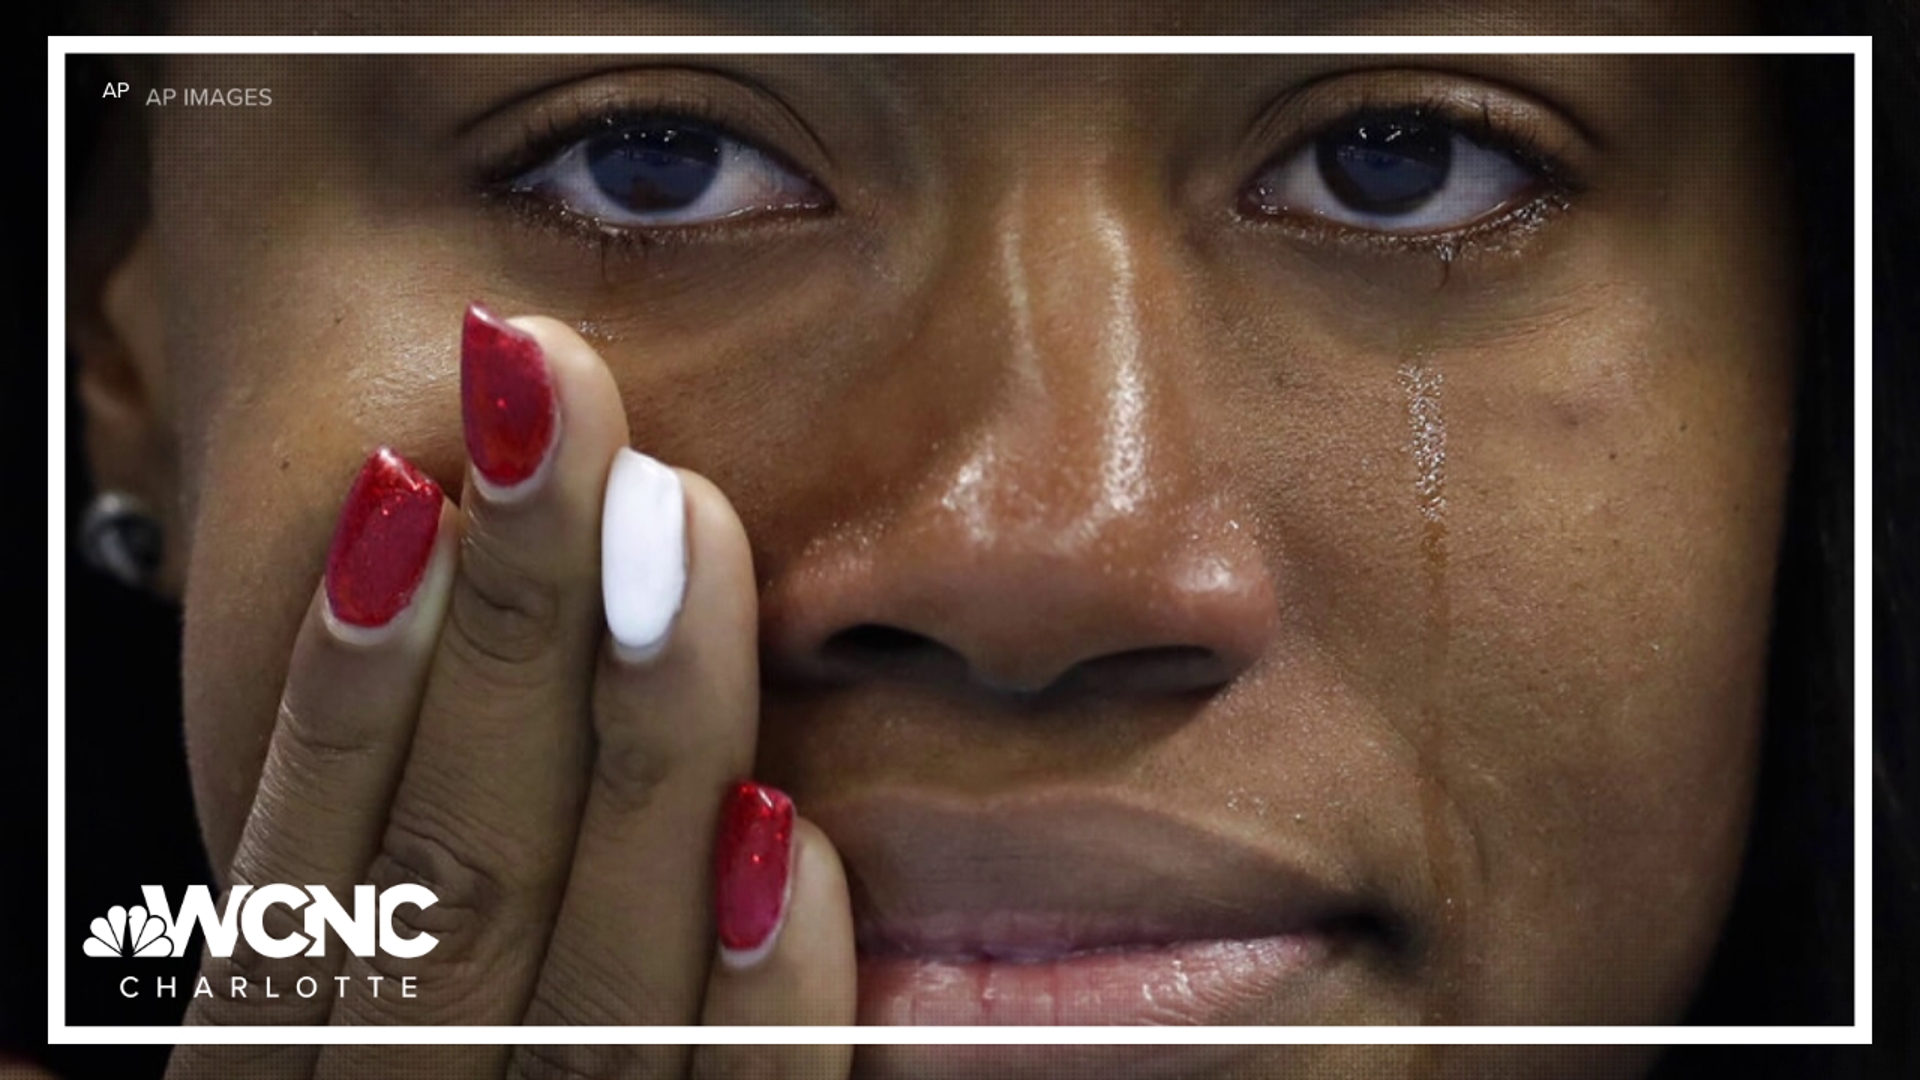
(195, 95)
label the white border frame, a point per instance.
(1860, 1032)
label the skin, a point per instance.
(1474, 541)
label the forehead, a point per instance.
(1196, 17)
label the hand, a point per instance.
(458, 715)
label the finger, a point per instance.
(346, 714)
(485, 813)
(675, 707)
(786, 947)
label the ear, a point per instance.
(115, 336)
(114, 331)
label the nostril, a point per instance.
(1164, 669)
(874, 649)
(874, 639)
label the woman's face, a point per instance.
(1180, 488)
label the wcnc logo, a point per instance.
(156, 930)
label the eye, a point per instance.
(1397, 173)
(665, 172)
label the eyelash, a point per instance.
(546, 136)
(1557, 185)
(552, 131)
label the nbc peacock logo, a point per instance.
(128, 932)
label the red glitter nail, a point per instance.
(383, 541)
(751, 862)
(507, 396)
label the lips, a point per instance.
(1078, 910)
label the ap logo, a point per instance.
(125, 932)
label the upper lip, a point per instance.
(1044, 877)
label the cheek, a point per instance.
(288, 399)
(1612, 520)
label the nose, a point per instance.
(1071, 529)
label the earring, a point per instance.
(120, 538)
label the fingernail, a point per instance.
(382, 543)
(506, 394)
(643, 554)
(752, 872)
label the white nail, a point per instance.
(643, 554)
